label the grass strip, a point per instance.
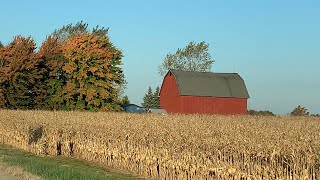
(59, 168)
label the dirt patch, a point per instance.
(8, 172)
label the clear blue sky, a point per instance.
(274, 45)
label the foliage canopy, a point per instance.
(68, 31)
(92, 71)
(193, 57)
(74, 69)
(21, 72)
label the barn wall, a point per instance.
(169, 94)
(172, 102)
(213, 105)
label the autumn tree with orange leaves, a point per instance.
(74, 69)
(92, 72)
(21, 72)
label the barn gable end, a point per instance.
(169, 93)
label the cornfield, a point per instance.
(173, 146)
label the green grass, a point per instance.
(60, 168)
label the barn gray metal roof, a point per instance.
(210, 84)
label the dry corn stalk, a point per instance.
(175, 146)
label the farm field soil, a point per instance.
(5, 176)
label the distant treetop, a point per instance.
(299, 111)
(70, 30)
(193, 57)
(260, 113)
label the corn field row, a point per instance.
(174, 146)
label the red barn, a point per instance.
(203, 93)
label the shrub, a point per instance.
(260, 113)
(299, 111)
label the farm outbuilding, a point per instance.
(203, 93)
(133, 108)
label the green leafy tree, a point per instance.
(194, 57)
(299, 111)
(70, 30)
(1, 45)
(92, 72)
(156, 98)
(148, 99)
(20, 74)
(125, 100)
(54, 80)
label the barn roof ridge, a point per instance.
(210, 84)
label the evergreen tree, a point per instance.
(148, 99)
(151, 99)
(156, 99)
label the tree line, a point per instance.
(75, 68)
(297, 111)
